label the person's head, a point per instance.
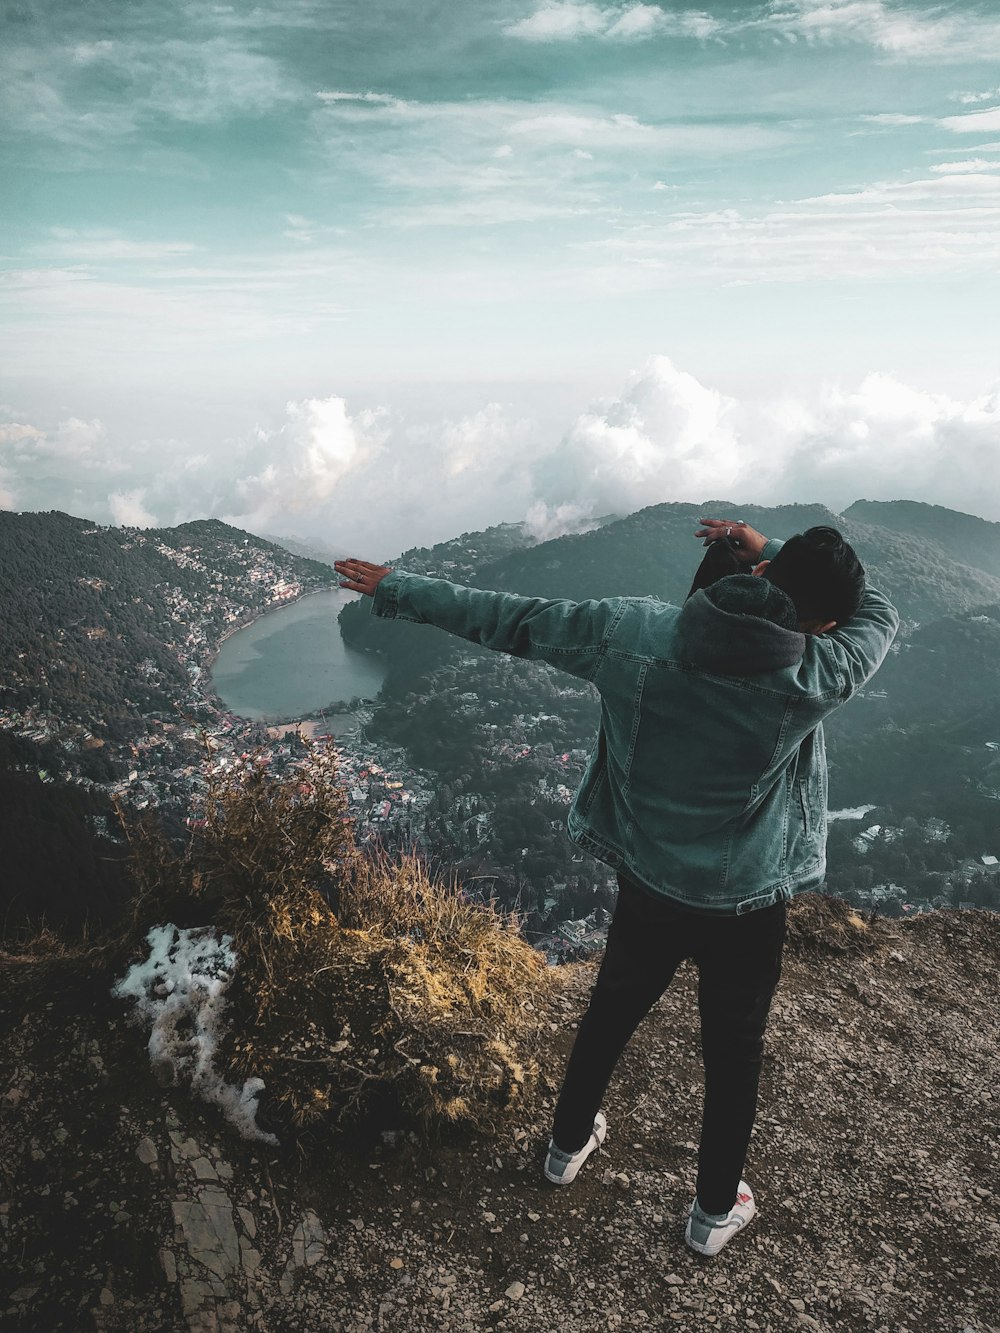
(821, 574)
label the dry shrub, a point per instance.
(362, 981)
(824, 925)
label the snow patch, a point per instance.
(180, 994)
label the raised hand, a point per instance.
(747, 542)
(361, 575)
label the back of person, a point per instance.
(708, 780)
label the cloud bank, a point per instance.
(372, 482)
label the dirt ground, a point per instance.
(125, 1206)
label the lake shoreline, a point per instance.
(312, 716)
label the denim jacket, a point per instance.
(707, 783)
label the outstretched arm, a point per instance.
(569, 635)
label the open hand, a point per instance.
(361, 575)
(747, 542)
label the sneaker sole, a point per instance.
(710, 1252)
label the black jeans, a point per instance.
(739, 964)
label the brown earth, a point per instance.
(127, 1207)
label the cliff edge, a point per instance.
(127, 1206)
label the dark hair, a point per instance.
(821, 574)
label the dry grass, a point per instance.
(362, 981)
(818, 924)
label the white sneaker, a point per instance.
(561, 1167)
(707, 1235)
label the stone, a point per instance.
(395, 1263)
(515, 1291)
(203, 1169)
(249, 1222)
(209, 1231)
(308, 1241)
(106, 1297)
(169, 1264)
(194, 1294)
(249, 1257)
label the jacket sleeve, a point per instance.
(847, 657)
(858, 648)
(569, 635)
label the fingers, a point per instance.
(713, 529)
(360, 575)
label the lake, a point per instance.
(292, 662)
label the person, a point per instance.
(705, 792)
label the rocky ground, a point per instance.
(127, 1207)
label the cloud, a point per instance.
(884, 440)
(666, 435)
(973, 122)
(128, 511)
(304, 462)
(973, 164)
(940, 223)
(93, 96)
(895, 118)
(563, 20)
(371, 480)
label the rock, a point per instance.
(395, 1263)
(515, 1291)
(106, 1297)
(146, 1151)
(203, 1169)
(209, 1230)
(249, 1257)
(169, 1264)
(308, 1241)
(673, 1280)
(249, 1222)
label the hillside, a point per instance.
(126, 1206)
(106, 638)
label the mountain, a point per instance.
(126, 1205)
(106, 637)
(969, 540)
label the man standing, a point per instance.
(705, 791)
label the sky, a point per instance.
(375, 275)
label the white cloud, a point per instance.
(895, 118)
(128, 511)
(940, 223)
(972, 164)
(885, 440)
(376, 481)
(559, 21)
(668, 437)
(665, 436)
(888, 27)
(562, 20)
(991, 95)
(304, 462)
(974, 122)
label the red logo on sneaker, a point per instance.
(743, 1198)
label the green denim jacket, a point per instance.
(707, 783)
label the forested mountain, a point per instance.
(104, 641)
